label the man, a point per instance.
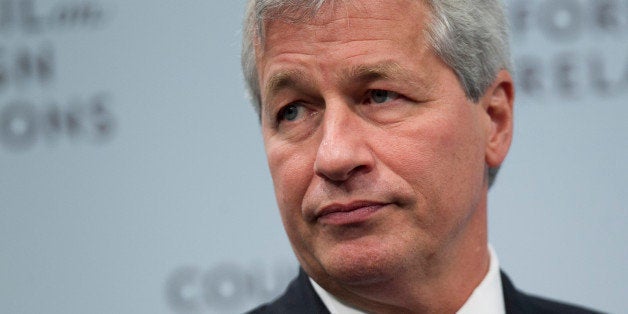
(384, 124)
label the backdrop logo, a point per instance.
(29, 70)
(226, 287)
(571, 47)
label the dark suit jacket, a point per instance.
(301, 298)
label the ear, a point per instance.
(498, 105)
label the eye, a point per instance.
(290, 112)
(380, 96)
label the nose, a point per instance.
(343, 150)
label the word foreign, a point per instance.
(568, 20)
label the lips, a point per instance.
(350, 213)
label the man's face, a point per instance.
(377, 157)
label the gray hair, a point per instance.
(470, 36)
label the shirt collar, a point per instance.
(486, 298)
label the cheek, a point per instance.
(458, 174)
(461, 158)
(436, 156)
(291, 171)
(421, 151)
(417, 162)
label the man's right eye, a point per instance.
(290, 112)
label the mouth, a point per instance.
(348, 214)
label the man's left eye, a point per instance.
(380, 96)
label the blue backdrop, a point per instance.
(133, 177)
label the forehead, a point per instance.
(335, 13)
(349, 27)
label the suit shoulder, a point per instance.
(518, 302)
(263, 309)
(299, 297)
(544, 305)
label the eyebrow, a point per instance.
(362, 73)
(283, 80)
(377, 71)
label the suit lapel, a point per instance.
(300, 297)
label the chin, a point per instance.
(361, 265)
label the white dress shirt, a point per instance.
(487, 298)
